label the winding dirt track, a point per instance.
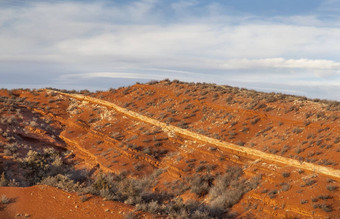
(243, 151)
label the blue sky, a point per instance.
(282, 46)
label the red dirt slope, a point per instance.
(49, 202)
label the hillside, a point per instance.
(171, 148)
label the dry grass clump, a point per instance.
(5, 199)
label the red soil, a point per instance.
(102, 138)
(49, 202)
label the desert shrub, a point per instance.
(120, 188)
(147, 151)
(326, 162)
(228, 199)
(138, 166)
(273, 193)
(183, 125)
(170, 120)
(332, 188)
(337, 140)
(211, 167)
(3, 180)
(126, 91)
(200, 168)
(203, 93)
(191, 160)
(262, 105)
(101, 182)
(300, 171)
(40, 165)
(254, 121)
(285, 149)
(131, 215)
(200, 184)
(285, 174)
(324, 207)
(232, 135)
(297, 130)
(273, 150)
(268, 109)
(240, 143)
(309, 182)
(233, 123)
(298, 150)
(5, 199)
(320, 115)
(131, 138)
(84, 198)
(325, 197)
(329, 180)
(7, 152)
(200, 214)
(93, 120)
(152, 82)
(285, 186)
(157, 144)
(229, 189)
(10, 149)
(62, 182)
(117, 136)
(304, 201)
(319, 142)
(189, 106)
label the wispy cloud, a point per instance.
(281, 63)
(137, 40)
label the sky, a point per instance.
(286, 46)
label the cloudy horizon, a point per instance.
(280, 46)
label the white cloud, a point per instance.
(109, 75)
(103, 40)
(141, 73)
(317, 64)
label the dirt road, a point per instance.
(235, 149)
